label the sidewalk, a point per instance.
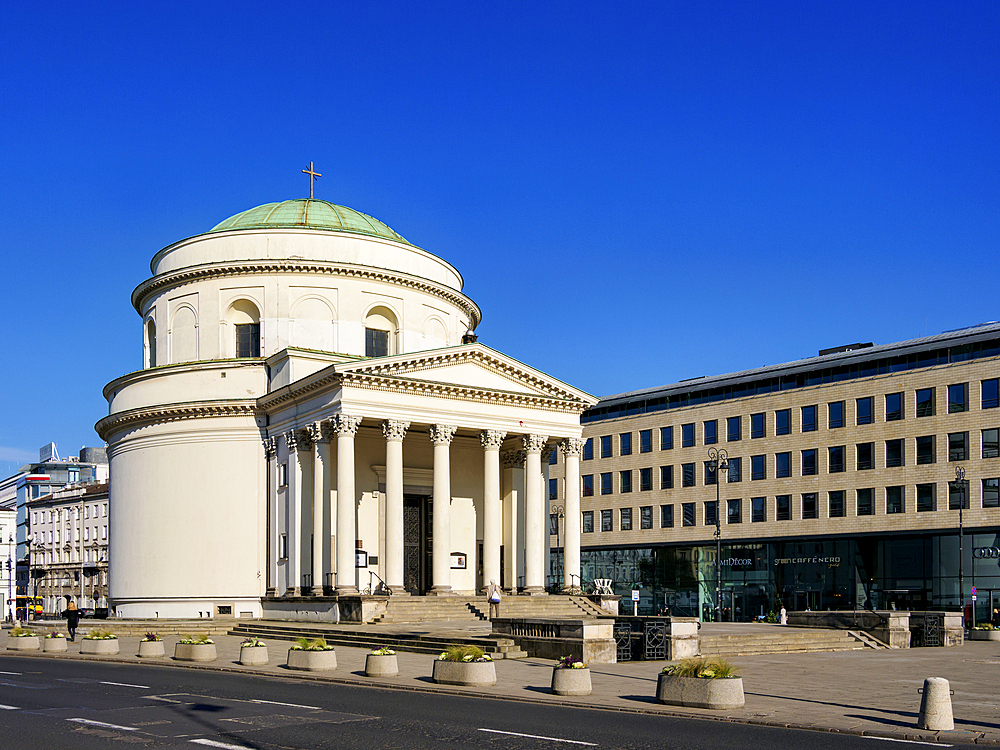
(858, 692)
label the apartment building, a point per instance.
(843, 481)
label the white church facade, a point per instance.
(314, 416)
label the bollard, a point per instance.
(935, 705)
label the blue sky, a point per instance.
(634, 194)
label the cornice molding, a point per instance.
(175, 412)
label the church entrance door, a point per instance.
(418, 544)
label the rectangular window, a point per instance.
(666, 438)
(758, 425)
(958, 446)
(865, 410)
(958, 495)
(836, 500)
(605, 446)
(687, 511)
(809, 462)
(809, 418)
(553, 524)
(991, 493)
(810, 505)
(991, 443)
(588, 449)
(666, 477)
(687, 475)
(625, 444)
(925, 402)
(283, 546)
(553, 456)
(588, 522)
(782, 464)
(646, 517)
(645, 480)
(666, 516)
(894, 453)
(687, 435)
(758, 509)
(711, 512)
(711, 431)
(645, 441)
(606, 488)
(783, 422)
(893, 407)
(553, 489)
(626, 519)
(606, 520)
(835, 414)
(958, 398)
(283, 474)
(758, 467)
(783, 508)
(247, 340)
(866, 503)
(836, 459)
(989, 394)
(926, 498)
(376, 343)
(588, 485)
(710, 473)
(895, 500)
(625, 481)
(735, 470)
(734, 511)
(734, 429)
(925, 450)
(866, 456)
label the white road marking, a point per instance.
(213, 743)
(291, 705)
(910, 742)
(91, 723)
(125, 684)
(161, 698)
(9, 708)
(539, 737)
(10, 673)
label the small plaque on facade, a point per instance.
(459, 560)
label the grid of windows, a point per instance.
(735, 473)
(376, 342)
(625, 481)
(958, 398)
(958, 446)
(666, 477)
(625, 518)
(894, 453)
(687, 435)
(606, 520)
(895, 500)
(645, 441)
(588, 485)
(588, 449)
(835, 461)
(991, 493)
(605, 446)
(866, 505)
(248, 341)
(687, 475)
(991, 443)
(758, 509)
(646, 517)
(687, 514)
(893, 407)
(810, 505)
(809, 418)
(625, 444)
(782, 464)
(865, 413)
(925, 402)
(711, 428)
(553, 489)
(758, 425)
(783, 508)
(866, 456)
(990, 398)
(588, 522)
(925, 450)
(958, 495)
(836, 500)
(734, 511)
(809, 466)
(711, 513)
(710, 472)
(926, 498)
(645, 480)
(606, 488)
(666, 516)
(666, 438)
(733, 429)
(783, 422)
(835, 414)
(758, 467)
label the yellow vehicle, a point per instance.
(22, 604)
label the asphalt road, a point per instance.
(72, 704)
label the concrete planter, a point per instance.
(312, 661)
(195, 652)
(699, 692)
(253, 655)
(568, 681)
(470, 673)
(381, 665)
(54, 645)
(22, 643)
(151, 649)
(103, 646)
(984, 635)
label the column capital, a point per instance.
(442, 434)
(346, 425)
(534, 443)
(318, 432)
(394, 431)
(270, 447)
(513, 459)
(298, 441)
(571, 447)
(492, 439)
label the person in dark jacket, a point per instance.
(72, 615)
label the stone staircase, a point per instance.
(787, 640)
(441, 608)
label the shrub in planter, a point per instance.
(99, 641)
(701, 683)
(464, 665)
(571, 677)
(151, 646)
(22, 639)
(253, 651)
(312, 656)
(54, 642)
(196, 648)
(382, 663)
(985, 632)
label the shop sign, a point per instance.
(990, 553)
(733, 561)
(833, 562)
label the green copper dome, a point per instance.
(310, 214)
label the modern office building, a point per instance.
(842, 479)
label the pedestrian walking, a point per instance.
(493, 594)
(783, 617)
(72, 615)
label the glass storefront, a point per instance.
(899, 572)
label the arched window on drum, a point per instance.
(244, 318)
(380, 332)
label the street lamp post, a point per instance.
(960, 484)
(719, 460)
(10, 576)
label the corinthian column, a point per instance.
(270, 455)
(298, 443)
(571, 449)
(441, 436)
(534, 508)
(394, 433)
(492, 530)
(346, 427)
(321, 496)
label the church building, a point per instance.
(315, 420)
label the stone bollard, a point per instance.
(935, 705)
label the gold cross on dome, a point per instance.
(312, 176)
